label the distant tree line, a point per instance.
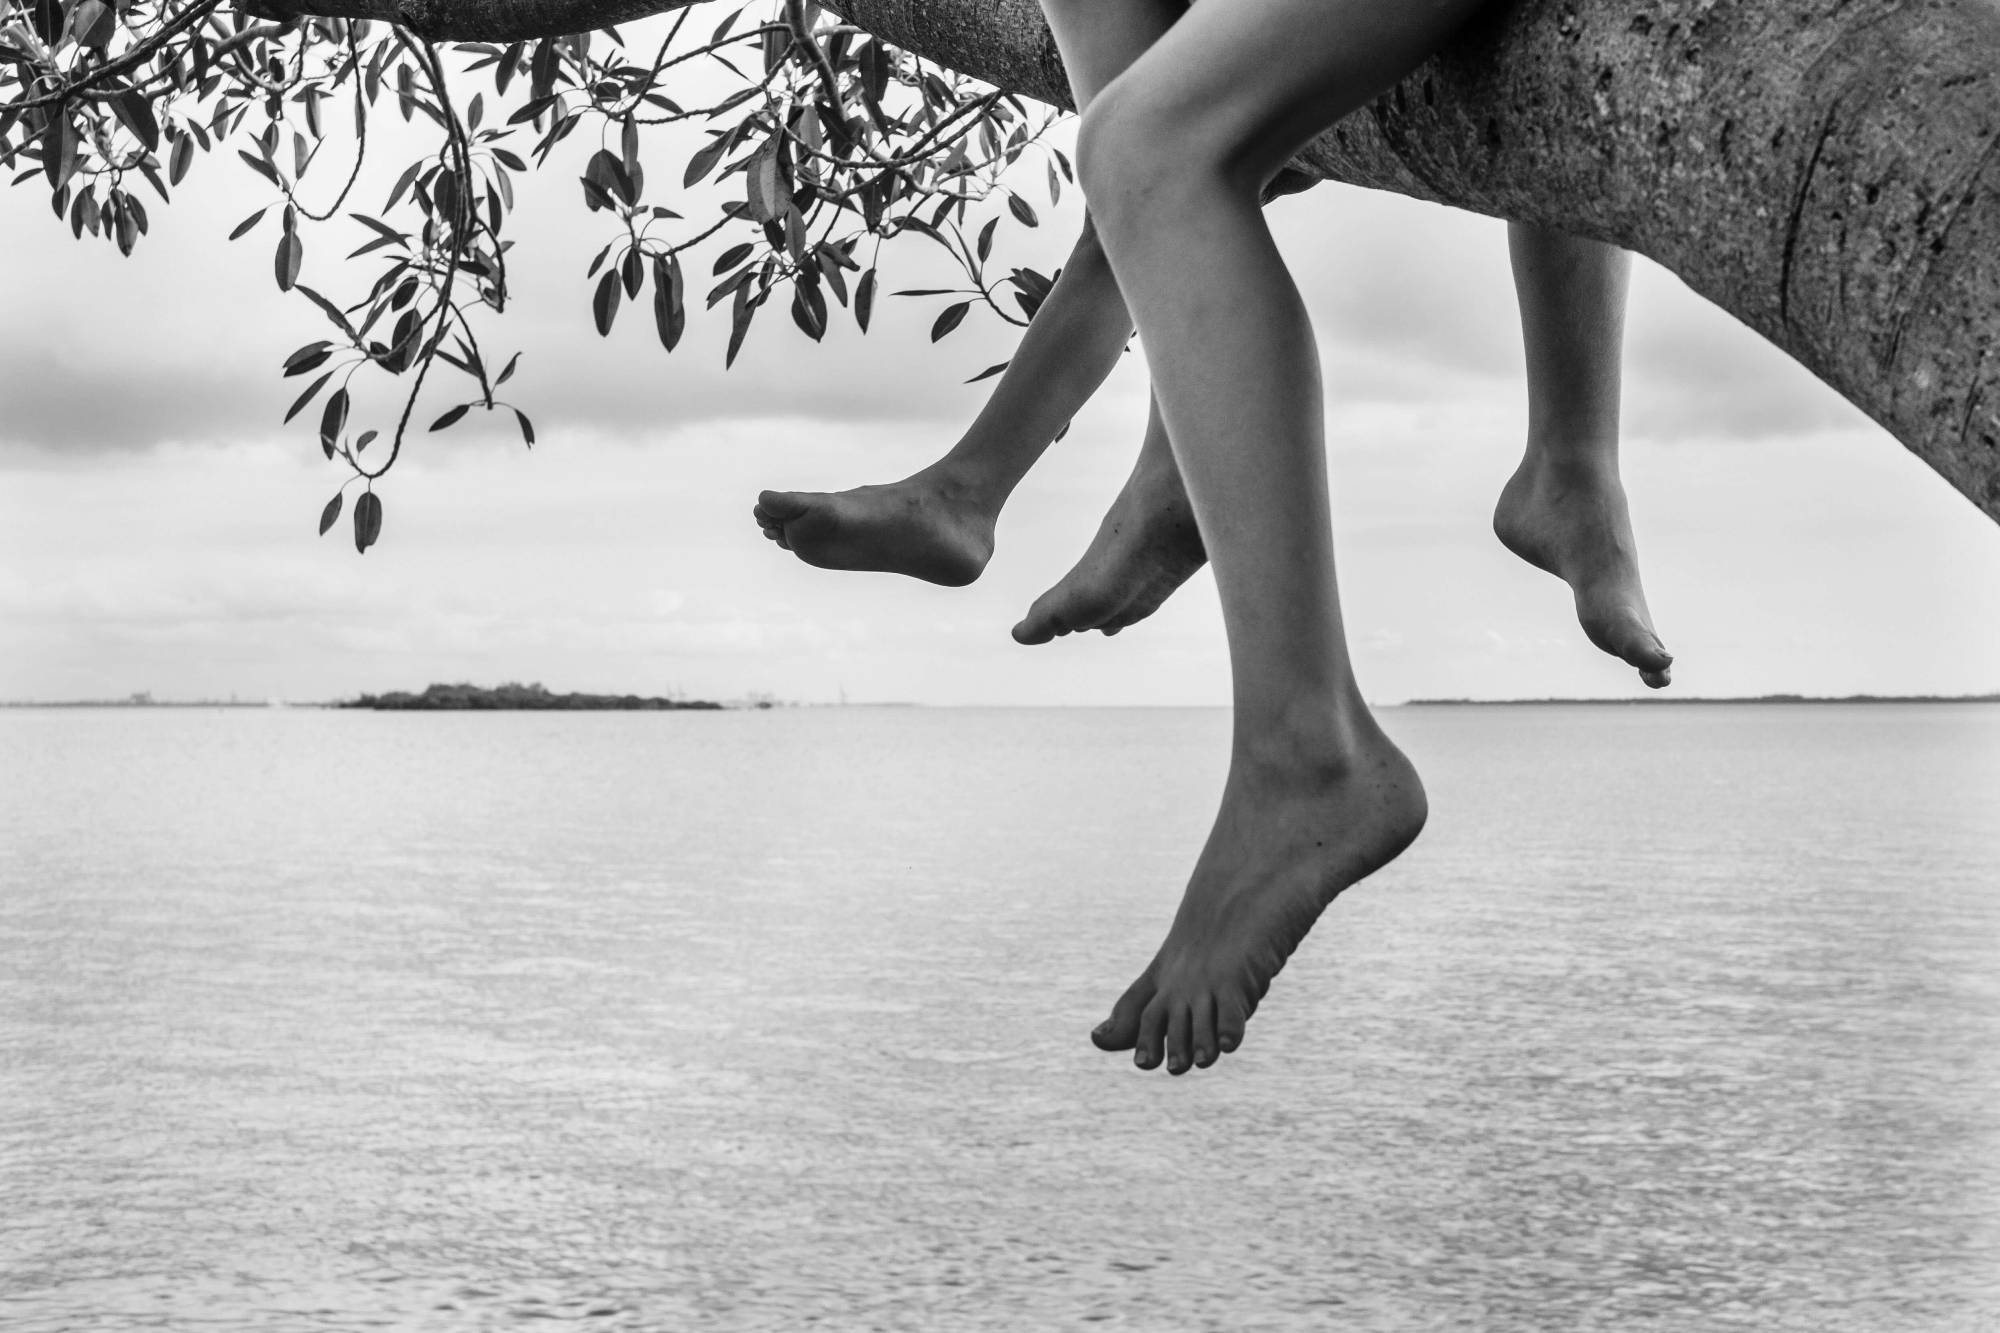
(515, 696)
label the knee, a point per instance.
(1139, 148)
(1118, 162)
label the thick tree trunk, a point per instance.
(1828, 171)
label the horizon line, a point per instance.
(764, 703)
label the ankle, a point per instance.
(962, 485)
(1321, 740)
(1571, 463)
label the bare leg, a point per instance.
(1173, 155)
(1147, 546)
(1564, 508)
(937, 525)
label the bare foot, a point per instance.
(1293, 832)
(923, 526)
(1146, 547)
(1573, 523)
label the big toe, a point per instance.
(1120, 1032)
(781, 506)
(1041, 624)
(1647, 654)
(1624, 633)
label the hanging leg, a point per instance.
(1173, 157)
(1564, 508)
(938, 524)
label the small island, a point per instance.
(519, 698)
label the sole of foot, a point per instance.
(1289, 838)
(916, 527)
(1146, 547)
(1578, 528)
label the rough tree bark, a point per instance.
(1828, 171)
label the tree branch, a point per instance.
(133, 58)
(1826, 171)
(474, 20)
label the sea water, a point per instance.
(1677, 1017)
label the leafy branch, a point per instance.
(823, 138)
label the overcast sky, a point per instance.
(157, 522)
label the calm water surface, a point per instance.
(1677, 1018)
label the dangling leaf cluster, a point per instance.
(824, 143)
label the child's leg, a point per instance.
(1564, 511)
(938, 524)
(1173, 155)
(1147, 546)
(1564, 508)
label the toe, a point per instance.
(1231, 1016)
(1120, 1032)
(1658, 680)
(1627, 637)
(1203, 1014)
(1644, 650)
(1622, 631)
(1039, 625)
(1180, 1039)
(781, 505)
(1152, 1035)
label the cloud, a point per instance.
(171, 370)
(55, 400)
(1392, 278)
(184, 341)
(1693, 371)
(1413, 303)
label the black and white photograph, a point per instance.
(971, 665)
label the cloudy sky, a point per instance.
(157, 522)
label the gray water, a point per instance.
(1676, 1018)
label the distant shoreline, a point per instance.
(460, 698)
(153, 703)
(400, 701)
